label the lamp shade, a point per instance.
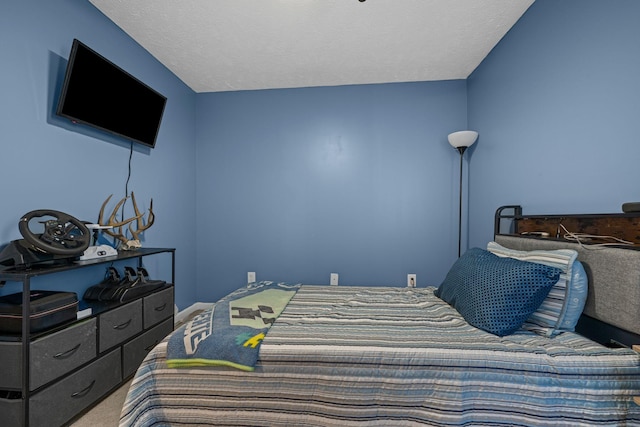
(463, 138)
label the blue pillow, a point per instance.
(496, 294)
(562, 308)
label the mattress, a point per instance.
(388, 356)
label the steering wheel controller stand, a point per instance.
(98, 249)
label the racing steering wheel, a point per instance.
(64, 235)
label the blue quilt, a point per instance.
(230, 333)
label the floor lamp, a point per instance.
(461, 141)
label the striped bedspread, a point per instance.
(381, 356)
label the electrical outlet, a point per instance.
(411, 280)
(334, 279)
(251, 276)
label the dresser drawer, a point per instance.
(135, 350)
(118, 325)
(59, 353)
(11, 410)
(157, 307)
(60, 402)
(51, 356)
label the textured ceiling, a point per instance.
(224, 45)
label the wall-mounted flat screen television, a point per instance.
(98, 93)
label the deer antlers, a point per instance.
(126, 244)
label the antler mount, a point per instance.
(117, 226)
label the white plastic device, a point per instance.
(100, 251)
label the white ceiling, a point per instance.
(225, 45)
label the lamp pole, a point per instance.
(461, 140)
(461, 150)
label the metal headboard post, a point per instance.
(500, 215)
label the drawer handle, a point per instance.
(83, 392)
(122, 325)
(148, 349)
(67, 353)
(161, 308)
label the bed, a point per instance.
(392, 356)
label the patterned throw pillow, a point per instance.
(561, 309)
(496, 294)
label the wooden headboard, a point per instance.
(612, 311)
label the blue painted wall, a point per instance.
(556, 104)
(46, 162)
(358, 180)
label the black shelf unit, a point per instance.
(24, 275)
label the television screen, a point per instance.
(98, 93)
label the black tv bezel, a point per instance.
(65, 88)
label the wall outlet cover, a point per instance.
(333, 281)
(411, 280)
